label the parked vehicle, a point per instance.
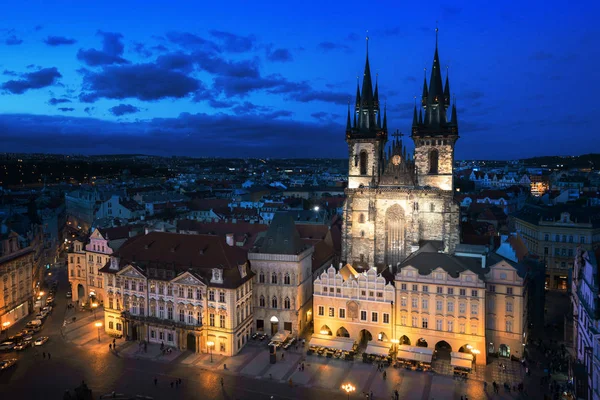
(6, 364)
(23, 345)
(7, 346)
(41, 340)
(34, 323)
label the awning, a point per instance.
(377, 350)
(462, 360)
(280, 336)
(345, 345)
(414, 353)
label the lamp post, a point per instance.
(94, 306)
(396, 343)
(348, 388)
(5, 326)
(210, 345)
(475, 352)
(98, 325)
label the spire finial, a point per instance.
(367, 40)
(436, 34)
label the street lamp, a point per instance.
(94, 306)
(210, 345)
(5, 326)
(348, 388)
(98, 325)
(396, 343)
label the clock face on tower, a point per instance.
(396, 159)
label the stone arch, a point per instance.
(421, 342)
(382, 337)
(443, 350)
(361, 218)
(394, 228)
(325, 330)
(363, 161)
(404, 340)
(433, 161)
(504, 350)
(365, 336)
(343, 332)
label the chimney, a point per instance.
(229, 239)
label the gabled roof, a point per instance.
(282, 237)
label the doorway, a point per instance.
(274, 325)
(191, 342)
(80, 293)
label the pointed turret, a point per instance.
(447, 89)
(420, 116)
(425, 91)
(357, 94)
(367, 86)
(348, 125)
(376, 94)
(385, 118)
(415, 120)
(454, 119)
(435, 82)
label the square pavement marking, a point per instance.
(87, 337)
(257, 365)
(328, 375)
(413, 385)
(240, 360)
(280, 369)
(191, 358)
(359, 374)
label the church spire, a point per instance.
(453, 119)
(425, 91)
(435, 82)
(447, 88)
(415, 120)
(367, 86)
(348, 125)
(385, 117)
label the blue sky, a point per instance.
(264, 79)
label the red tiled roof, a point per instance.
(518, 246)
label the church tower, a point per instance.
(435, 134)
(365, 134)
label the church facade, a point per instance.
(396, 201)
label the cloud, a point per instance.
(320, 95)
(195, 135)
(38, 28)
(325, 116)
(330, 46)
(54, 101)
(142, 50)
(214, 103)
(192, 41)
(12, 40)
(123, 109)
(234, 43)
(9, 73)
(352, 37)
(176, 61)
(471, 95)
(279, 55)
(33, 80)
(59, 41)
(88, 110)
(141, 81)
(112, 50)
(65, 109)
(541, 56)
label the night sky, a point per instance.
(273, 79)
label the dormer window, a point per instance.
(217, 276)
(114, 263)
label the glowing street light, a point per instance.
(324, 332)
(5, 326)
(98, 325)
(94, 306)
(348, 388)
(210, 345)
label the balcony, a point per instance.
(160, 321)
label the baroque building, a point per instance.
(395, 201)
(283, 285)
(192, 292)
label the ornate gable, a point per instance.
(131, 272)
(187, 279)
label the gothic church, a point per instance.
(396, 202)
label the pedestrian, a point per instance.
(462, 398)
(179, 379)
(222, 382)
(176, 383)
(44, 354)
(49, 356)
(384, 375)
(110, 346)
(155, 381)
(396, 394)
(302, 366)
(371, 395)
(282, 355)
(171, 385)
(291, 383)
